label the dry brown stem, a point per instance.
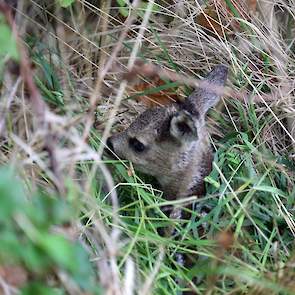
(96, 94)
(281, 60)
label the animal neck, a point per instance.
(189, 180)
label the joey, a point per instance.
(171, 142)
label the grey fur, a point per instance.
(176, 145)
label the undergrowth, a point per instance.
(72, 221)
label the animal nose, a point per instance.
(110, 146)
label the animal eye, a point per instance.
(136, 145)
(183, 128)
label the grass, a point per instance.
(243, 245)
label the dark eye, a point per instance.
(183, 128)
(136, 145)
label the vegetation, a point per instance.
(73, 221)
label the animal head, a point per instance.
(162, 140)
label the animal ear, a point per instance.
(182, 126)
(209, 92)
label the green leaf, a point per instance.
(123, 9)
(270, 189)
(47, 210)
(212, 181)
(38, 288)
(11, 194)
(59, 249)
(7, 41)
(121, 2)
(10, 249)
(33, 257)
(65, 3)
(82, 271)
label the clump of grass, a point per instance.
(244, 245)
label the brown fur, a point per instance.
(171, 142)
